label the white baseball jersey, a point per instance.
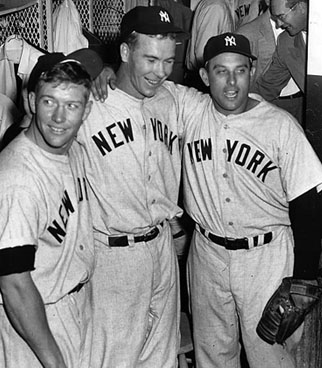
(211, 18)
(132, 162)
(133, 165)
(44, 203)
(40, 206)
(214, 17)
(240, 171)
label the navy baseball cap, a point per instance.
(88, 58)
(149, 20)
(227, 42)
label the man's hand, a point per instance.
(100, 84)
(286, 309)
(181, 239)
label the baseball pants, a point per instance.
(136, 304)
(229, 290)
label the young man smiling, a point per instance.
(46, 242)
(133, 164)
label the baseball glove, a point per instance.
(286, 310)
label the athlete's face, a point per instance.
(290, 15)
(228, 76)
(148, 64)
(59, 111)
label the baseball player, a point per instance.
(244, 187)
(245, 172)
(46, 241)
(133, 164)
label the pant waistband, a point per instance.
(296, 95)
(125, 240)
(236, 244)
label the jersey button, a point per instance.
(149, 177)
(144, 127)
(225, 175)
(150, 154)
(224, 150)
(227, 199)
(81, 247)
(153, 201)
(230, 223)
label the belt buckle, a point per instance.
(228, 241)
(147, 236)
(238, 242)
(153, 232)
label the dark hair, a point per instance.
(68, 71)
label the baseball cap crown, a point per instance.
(227, 42)
(88, 58)
(150, 20)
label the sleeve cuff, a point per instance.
(17, 259)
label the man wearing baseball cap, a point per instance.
(253, 198)
(46, 241)
(133, 165)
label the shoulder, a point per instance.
(207, 5)
(274, 114)
(183, 93)
(255, 25)
(284, 39)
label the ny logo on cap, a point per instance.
(164, 16)
(230, 41)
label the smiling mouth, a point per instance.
(231, 94)
(57, 130)
(153, 83)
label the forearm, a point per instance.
(306, 215)
(26, 312)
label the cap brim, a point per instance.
(232, 51)
(89, 59)
(156, 30)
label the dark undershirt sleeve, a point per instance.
(17, 259)
(306, 223)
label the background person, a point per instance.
(289, 58)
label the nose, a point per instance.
(231, 79)
(59, 114)
(159, 70)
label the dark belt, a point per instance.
(123, 240)
(296, 95)
(77, 288)
(236, 244)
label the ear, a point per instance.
(124, 52)
(32, 101)
(88, 109)
(204, 76)
(252, 71)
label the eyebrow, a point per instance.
(156, 58)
